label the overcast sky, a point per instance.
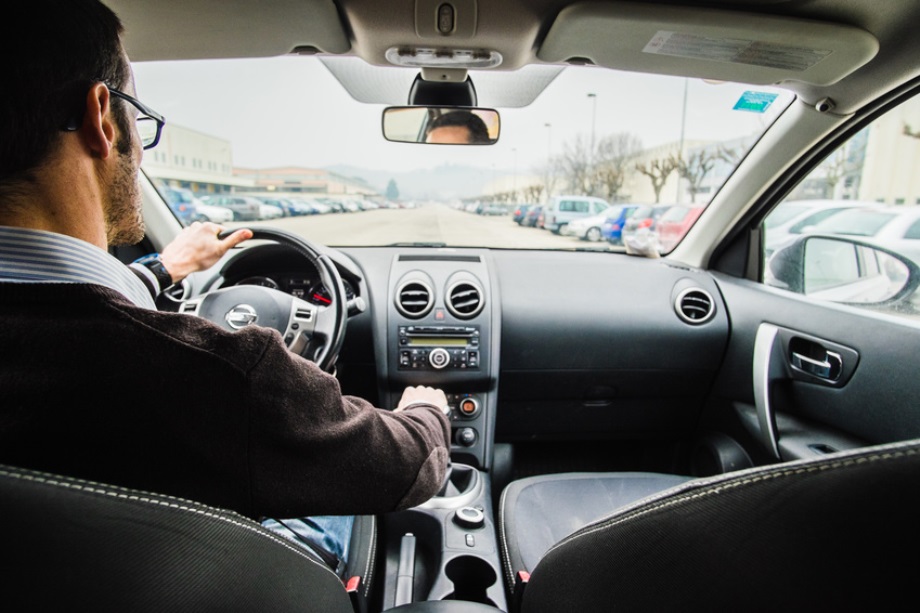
(292, 111)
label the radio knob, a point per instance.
(439, 358)
(466, 437)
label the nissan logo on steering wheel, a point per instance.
(240, 316)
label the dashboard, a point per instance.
(305, 286)
(528, 345)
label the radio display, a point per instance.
(438, 341)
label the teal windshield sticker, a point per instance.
(755, 102)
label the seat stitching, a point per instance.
(506, 553)
(369, 568)
(91, 489)
(707, 491)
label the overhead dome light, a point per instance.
(442, 58)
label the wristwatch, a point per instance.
(154, 264)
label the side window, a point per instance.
(566, 206)
(811, 220)
(599, 207)
(850, 230)
(913, 232)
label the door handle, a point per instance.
(829, 368)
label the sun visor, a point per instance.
(208, 29)
(707, 43)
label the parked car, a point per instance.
(210, 212)
(270, 211)
(561, 210)
(793, 217)
(644, 218)
(670, 433)
(182, 203)
(520, 211)
(892, 227)
(533, 217)
(288, 207)
(244, 208)
(591, 228)
(612, 228)
(675, 222)
(493, 209)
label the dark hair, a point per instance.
(479, 133)
(53, 51)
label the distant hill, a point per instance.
(445, 182)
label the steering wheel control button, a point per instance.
(469, 517)
(439, 358)
(466, 437)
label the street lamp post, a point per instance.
(549, 158)
(593, 97)
(514, 177)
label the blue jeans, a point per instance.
(331, 533)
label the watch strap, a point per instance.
(153, 266)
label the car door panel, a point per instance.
(871, 399)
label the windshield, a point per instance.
(285, 129)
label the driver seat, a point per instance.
(69, 543)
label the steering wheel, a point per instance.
(314, 332)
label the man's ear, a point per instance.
(98, 130)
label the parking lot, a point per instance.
(434, 223)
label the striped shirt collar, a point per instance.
(36, 256)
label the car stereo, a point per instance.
(439, 348)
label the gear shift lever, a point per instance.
(448, 488)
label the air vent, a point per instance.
(465, 299)
(414, 299)
(695, 306)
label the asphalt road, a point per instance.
(432, 223)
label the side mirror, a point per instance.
(445, 125)
(841, 269)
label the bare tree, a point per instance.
(729, 155)
(576, 165)
(614, 156)
(658, 172)
(695, 168)
(533, 193)
(552, 172)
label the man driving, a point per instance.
(96, 382)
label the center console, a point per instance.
(445, 549)
(442, 330)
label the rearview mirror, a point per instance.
(842, 270)
(449, 125)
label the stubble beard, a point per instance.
(124, 220)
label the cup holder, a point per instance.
(471, 577)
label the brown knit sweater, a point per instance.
(95, 387)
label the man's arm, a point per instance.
(196, 248)
(313, 451)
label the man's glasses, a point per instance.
(149, 122)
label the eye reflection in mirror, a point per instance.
(841, 269)
(441, 125)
